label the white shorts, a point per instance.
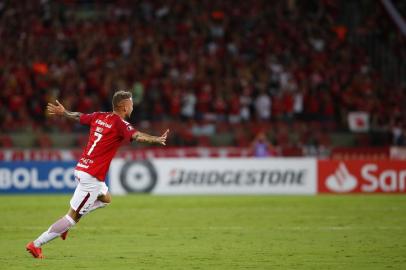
(86, 192)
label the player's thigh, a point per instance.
(104, 195)
(83, 198)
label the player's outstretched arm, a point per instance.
(59, 109)
(143, 137)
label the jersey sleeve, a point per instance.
(86, 119)
(127, 131)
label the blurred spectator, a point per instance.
(398, 134)
(261, 147)
(263, 106)
(246, 103)
(188, 105)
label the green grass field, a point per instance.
(224, 232)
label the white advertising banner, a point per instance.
(214, 176)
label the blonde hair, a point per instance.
(120, 96)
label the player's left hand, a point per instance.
(162, 138)
(58, 109)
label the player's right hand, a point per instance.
(58, 109)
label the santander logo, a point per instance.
(341, 180)
(362, 176)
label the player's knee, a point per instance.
(108, 200)
(74, 215)
(105, 198)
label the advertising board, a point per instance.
(214, 176)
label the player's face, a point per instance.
(128, 107)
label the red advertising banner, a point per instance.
(368, 153)
(131, 154)
(361, 176)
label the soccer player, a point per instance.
(108, 130)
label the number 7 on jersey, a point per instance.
(98, 138)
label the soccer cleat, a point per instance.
(64, 235)
(36, 252)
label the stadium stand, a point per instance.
(216, 73)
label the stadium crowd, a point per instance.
(201, 67)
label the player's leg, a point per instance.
(75, 216)
(103, 199)
(84, 196)
(56, 229)
(106, 198)
(81, 198)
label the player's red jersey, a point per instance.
(107, 132)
